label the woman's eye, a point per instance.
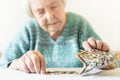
(40, 12)
(54, 7)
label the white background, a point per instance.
(103, 15)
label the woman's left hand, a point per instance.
(97, 45)
(93, 44)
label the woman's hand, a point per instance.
(98, 46)
(92, 44)
(31, 62)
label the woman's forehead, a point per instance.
(40, 3)
(46, 2)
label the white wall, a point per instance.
(104, 16)
(12, 16)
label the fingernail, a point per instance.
(90, 50)
(42, 72)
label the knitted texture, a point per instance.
(58, 54)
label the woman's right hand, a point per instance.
(31, 62)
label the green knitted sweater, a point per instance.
(58, 54)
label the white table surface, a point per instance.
(8, 74)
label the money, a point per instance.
(61, 72)
(95, 60)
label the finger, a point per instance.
(105, 47)
(86, 46)
(29, 63)
(36, 62)
(92, 43)
(23, 66)
(99, 44)
(42, 62)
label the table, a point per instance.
(8, 74)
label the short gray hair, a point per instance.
(26, 6)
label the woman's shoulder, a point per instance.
(76, 19)
(31, 22)
(76, 16)
(29, 26)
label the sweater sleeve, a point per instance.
(86, 31)
(16, 48)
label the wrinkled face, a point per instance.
(50, 14)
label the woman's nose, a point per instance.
(49, 15)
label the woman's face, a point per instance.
(50, 14)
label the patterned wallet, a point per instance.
(95, 60)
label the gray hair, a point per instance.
(27, 8)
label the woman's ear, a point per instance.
(118, 54)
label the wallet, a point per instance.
(94, 61)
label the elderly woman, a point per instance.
(50, 39)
